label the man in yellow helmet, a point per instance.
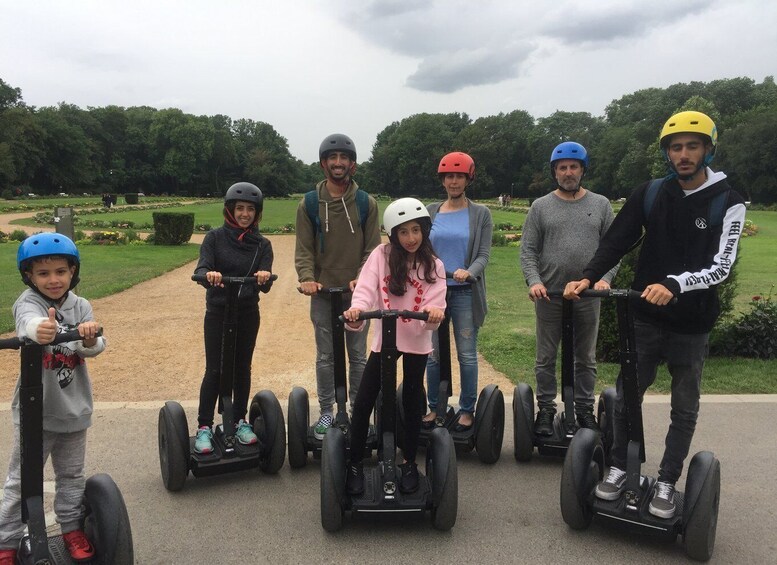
(692, 221)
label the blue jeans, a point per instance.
(684, 355)
(459, 311)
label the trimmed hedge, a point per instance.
(131, 198)
(173, 228)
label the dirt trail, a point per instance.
(155, 345)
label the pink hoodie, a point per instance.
(371, 293)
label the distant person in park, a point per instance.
(337, 229)
(236, 249)
(560, 235)
(691, 234)
(461, 237)
(49, 264)
(403, 274)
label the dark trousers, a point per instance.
(684, 355)
(413, 401)
(247, 330)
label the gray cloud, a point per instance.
(448, 72)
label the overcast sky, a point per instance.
(312, 68)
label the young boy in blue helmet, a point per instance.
(49, 264)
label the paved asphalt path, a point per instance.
(508, 512)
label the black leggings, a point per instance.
(248, 328)
(413, 366)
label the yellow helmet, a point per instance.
(689, 122)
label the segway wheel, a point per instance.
(107, 522)
(173, 439)
(442, 472)
(332, 480)
(700, 511)
(490, 424)
(583, 468)
(523, 421)
(605, 415)
(267, 418)
(299, 421)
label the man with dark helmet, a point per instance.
(337, 228)
(559, 237)
(692, 222)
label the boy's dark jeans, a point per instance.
(684, 355)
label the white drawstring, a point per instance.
(347, 215)
(326, 215)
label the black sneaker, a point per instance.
(586, 419)
(543, 425)
(408, 483)
(354, 481)
(663, 503)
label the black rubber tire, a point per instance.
(332, 480)
(583, 468)
(173, 441)
(442, 471)
(266, 416)
(702, 500)
(490, 424)
(107, 522)
(523, 423)
(605, 415)
(299, 422)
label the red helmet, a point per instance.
(457, 162)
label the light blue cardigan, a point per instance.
(478, 253)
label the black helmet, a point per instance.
(246, 192)
(337, 142)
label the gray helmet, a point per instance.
(246, 192)
(337, 142)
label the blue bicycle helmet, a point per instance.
(568, 150)
(46, 245)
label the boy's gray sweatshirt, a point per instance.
(67, 390)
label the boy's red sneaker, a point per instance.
(7, 557)
(79, 546)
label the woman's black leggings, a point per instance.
(413, 401)
(247, 330)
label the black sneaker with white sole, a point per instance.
(612, 487)
(663, 504)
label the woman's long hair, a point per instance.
(398, 259)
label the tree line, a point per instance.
(65, 148)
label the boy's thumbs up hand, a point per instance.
(47, 329)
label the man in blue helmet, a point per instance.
(559, 237)
(692, 221)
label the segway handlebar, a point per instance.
(232, 280)
(470, 279)
(373, 314)
(330, 290)
(17, 342)
(607, 293)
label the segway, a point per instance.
(438, 489)
(176, 449)
(696, 516)
(487, 430)
(564, 423)
(106, 522)
(301, 434)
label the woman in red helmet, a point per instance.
(461, 236)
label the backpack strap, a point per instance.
(718, 209)
(311, 207)
(650, 196)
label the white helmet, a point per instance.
(401, 211)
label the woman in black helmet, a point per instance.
(236, 249)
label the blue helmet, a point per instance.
(568, 150)
(45, 245)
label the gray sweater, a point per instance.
(67, 390)
(481, 228)
(561, 236)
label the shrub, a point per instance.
(173, 228)
(750, 335)
(18, 235)
(131, 198)
(79, 235)
(3, 237)
(108, 238)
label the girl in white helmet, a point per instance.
(403, 274)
